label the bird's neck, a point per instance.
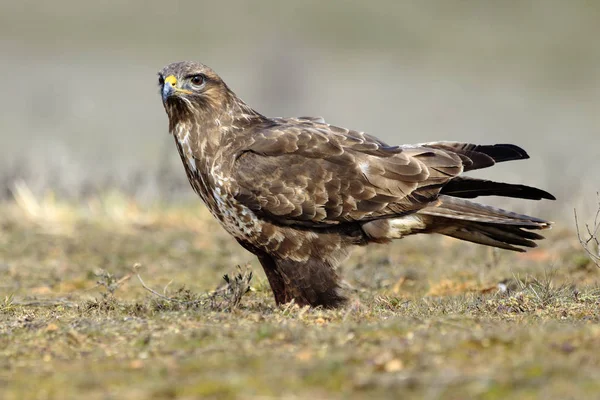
(206, 131)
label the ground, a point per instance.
(428, 317)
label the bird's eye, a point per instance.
(197, 80)
(161, 80)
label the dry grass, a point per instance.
(75, 320)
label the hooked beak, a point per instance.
(170, 88)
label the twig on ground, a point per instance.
(592, 238)
(167, 286)
(230, 294)
(110, 282)
(136, 268)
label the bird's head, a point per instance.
(194, 94)
(191, 87)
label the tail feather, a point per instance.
(454, 216)
(482, 224)
(459, 209)
(491, 236)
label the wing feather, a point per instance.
(301, 171)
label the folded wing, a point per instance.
(305, 172)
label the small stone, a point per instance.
(304, 355)
(394, 365)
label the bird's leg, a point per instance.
(313, 282)
(276, 281)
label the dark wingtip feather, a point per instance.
(503, 152)
(470, 188)
(481, 156)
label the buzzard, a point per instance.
(299, 192)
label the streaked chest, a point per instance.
(215, 187)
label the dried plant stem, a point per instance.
(592, 236)
(136, 268)
(230, 294)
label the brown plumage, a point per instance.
(298, 192)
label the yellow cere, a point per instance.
(171, 79)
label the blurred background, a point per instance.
(81, 114)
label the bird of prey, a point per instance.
(299, 193)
